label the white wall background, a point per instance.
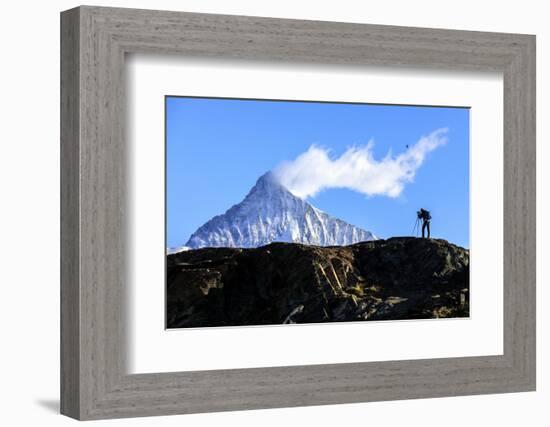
(29, 213)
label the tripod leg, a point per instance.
(416, 228)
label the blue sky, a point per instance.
(217, 148)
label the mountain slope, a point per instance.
(270, 213)
(398, 278)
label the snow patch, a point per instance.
(171, 251)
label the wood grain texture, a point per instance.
(70, 315)
(94, 272)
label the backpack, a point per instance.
(426, 215)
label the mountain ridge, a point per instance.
(397, 278)
(271, 213)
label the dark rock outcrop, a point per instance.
(398, 278)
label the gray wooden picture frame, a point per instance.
(94, 41)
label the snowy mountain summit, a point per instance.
(271, 213)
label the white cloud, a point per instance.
(356, 169)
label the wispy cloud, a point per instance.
(357, 169)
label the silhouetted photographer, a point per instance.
(425, 217)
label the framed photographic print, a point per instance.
(347, 211)
(275, 258)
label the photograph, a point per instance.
(275, 208)
(285, 212)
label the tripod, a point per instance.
(416, 227)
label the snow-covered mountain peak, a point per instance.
(271, 213)
(268, 186)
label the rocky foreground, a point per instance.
(398, 278)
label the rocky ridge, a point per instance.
(398, 278)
